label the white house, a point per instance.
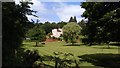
(56, 32)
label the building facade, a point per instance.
(56, 33)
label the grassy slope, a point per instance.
(51, 47)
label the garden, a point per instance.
(93, 41)
(81, 54)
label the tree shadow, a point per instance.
(75, 44)
(26, 58)
(115, 44)
(39, 46)
(27, 44)
(106, 47)
(104, 60)
(61, 60)
(42, 44)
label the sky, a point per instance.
(56, 11)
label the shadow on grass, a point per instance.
(38, 46)
(24, 44)
(27, 44)
(75, 44)
(106, 47)
(104, 60)
(115, 44)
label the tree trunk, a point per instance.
(76, 64)
(56, 63)
(36, 44)
(118, 44)
(108, 46)
(90, 44)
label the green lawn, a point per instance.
(49, 47)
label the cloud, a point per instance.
(39, 7)
(55, 11)
(66, 11)
(17, 1)
(63, 0)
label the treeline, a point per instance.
(40, 31)
(48, 26)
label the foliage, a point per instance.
(59, 62)
(101, 20)
(37, 34)
(71, 32)
(103, 60)
(82, 24)
(15, 24)
(61, 24)
(73, 19)
(25, 58)
(47, 26)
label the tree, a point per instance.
(73, 19)
(101, 20)
(54, 25)
(47, 27)
(15, 24)
(71, 32)
(82, 24)
(36, 34)
(112, 20)
(61, 24)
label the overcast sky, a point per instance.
(56, 11)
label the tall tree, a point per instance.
(100, 21)
(14, 25)
(82, 24)
(73, 19)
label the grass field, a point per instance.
(80, 50)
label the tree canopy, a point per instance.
(103, 21)
(48, 26)
(71, 32)
(15, 25)
(73, 19)
(36, 34)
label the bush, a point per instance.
(42, 43)
(54, 37)
(60, 38)
(85, 40)
(27, 58)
